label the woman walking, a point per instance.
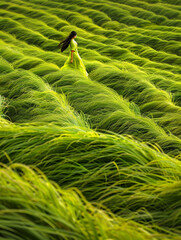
(74, 60)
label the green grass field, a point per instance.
(97, 157)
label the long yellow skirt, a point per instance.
(77, 63)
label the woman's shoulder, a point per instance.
(72, 41)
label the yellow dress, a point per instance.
(77, 60)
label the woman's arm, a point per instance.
(72, 52)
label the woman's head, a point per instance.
(73, 34)
(66, 42)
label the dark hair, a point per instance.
(66, 42)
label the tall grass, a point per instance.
(108, 110)
(111, 142)
(165, 57)
(31, 100)
(152, 101)
(106, 168)
(3, 105)
(32, 207)
(132, 48)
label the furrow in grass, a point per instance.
(152, 102)
(108, 110)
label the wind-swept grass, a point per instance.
(113, 138)
(151, 101)
(108, 110)
(106, 168)
(32, 207)
(3, 105)
(77, 20)
(32, 100)
(26, 58)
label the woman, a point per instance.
(74, 60)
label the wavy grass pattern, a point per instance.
(27, 211)
(106, 168)
(97, 157)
